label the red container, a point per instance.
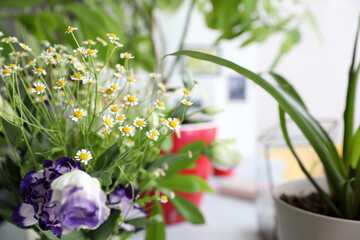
(203, 169)
(223, 173)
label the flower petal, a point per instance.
(23, 215)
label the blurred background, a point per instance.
(308, 42)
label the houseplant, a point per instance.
(80, 144)
(342, 172)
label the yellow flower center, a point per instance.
(105, 132)
(59, 83)
(71, 57)
(39, 88)
(109, 99)
(28, 89)
(139, 123)
(129, 141)
(84, 156)
(40, 70)
(69, 29)
(186, 92)
(160, 104)
(173, 124)
(58, 59)
(186, 103)
(127, 55)
(50, 50)
(113, 86)
(6, 71)
(107, 121)
(112, 35)
(131, 99)
(12, 65)
(114, 109)
(120, 118)
(8, 39)
(90, 41)
(90, 51)
(122, 68)
(78, 75)
(164, 198)
(50, 60)
(130, 80)
(109, 91)
(30, 62)
(126, 130)
(78, 113)
(72, 102)
(154, 133)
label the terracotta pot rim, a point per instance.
(277, 192)
(198, 126)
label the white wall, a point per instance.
(317, 68)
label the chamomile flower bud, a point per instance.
(108, 121)
(39, 72)
(102, 41)
(159, 104)
(173, 123)
(186, 102)
(39, 88)
(70, 29)
(130, 100)
(25, 47)
(126, 55)
(60, 83)
(78, 114)
(140, 123)
(127, 130)
(84, 156)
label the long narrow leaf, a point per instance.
(300, 116)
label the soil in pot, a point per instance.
(312, 203)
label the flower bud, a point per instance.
(223, 154)
(211, 110)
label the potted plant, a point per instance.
(339, 193)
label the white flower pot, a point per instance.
(298, 224)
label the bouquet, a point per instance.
(81, 143)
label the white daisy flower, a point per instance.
(186, 103)
(9, 39)
(40, 99)
(72, 103)
(79, 66)
(159, 104)
(114, 86)
(162, 87)
(171, 195)
(39, 88)
(5, 72)
(116, 44)
(70, 29)
(108, 121)
(114, 109)
(45, 43)
(84, 156)
(164, 199)
(173, 123)
(130, 100)
(128, 142)
(155, 75)
(108, 92)
(61, 47)
(131, 80)
(78, 114)
(25, 47)
(102, 41)
(14, 66)
(159, 172)
(30, 63)
(89, 42)
(120, 118)
(50, 60)
(126, 55)
(60, 83)
(186, 92)
(91, 52)
(88, 80)
(117, 75)
(39, 72)
(120, 68)
(80, 51)
(153, 134)
(127, 130)
(77, 76)
(103, 133)
(139, 123)
(112, 36)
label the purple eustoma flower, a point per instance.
(123, 198)
(37, 192)
(80, 201)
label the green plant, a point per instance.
(342, 172)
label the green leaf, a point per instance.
(109, 155)
(187, 210)
(105, 229)
(156, 229)
(105, 179)
(74, 235)
(333, 165)
(18, 3)
(13, 132)
(355, 149)
(184, 183)
(145, 200)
